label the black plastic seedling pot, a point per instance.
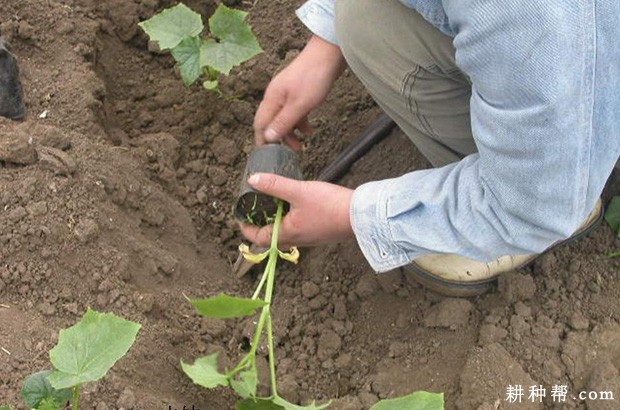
(11, 93)
(255, 207)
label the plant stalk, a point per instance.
(75, 403)
(272, 357)
(273, 255)
(268, 279)
(260, 284)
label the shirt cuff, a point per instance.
(318, 16)
(369, 220)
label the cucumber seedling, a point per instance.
(243, 378)
(230, 42)
(84, 353)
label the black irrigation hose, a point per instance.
(372, 135)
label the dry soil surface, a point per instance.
(119, 199)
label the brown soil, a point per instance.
(120, 200)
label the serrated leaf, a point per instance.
(247, 383)
(187, 55)
(172, 26)
(225, 307)
(86, 351)
(612, 215)
(257, 404)
(420, 400)
(290, 406)
(37, 388)
(236, 42)
(204, 372)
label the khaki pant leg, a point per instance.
(408, 67)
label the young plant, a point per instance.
(230, 43)
(243, 378)
(84, 353)
(612, 216)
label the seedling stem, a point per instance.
(75, 403)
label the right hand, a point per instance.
(319, 212)
(296, 91)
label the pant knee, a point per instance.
(354, 24)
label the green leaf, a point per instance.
(37, 388)
(5, 407)
(257, 404)
(290, 406)
(236, 42)
(612, 215)
(49, 404)
(86, 351)
(420, 400)
(187, 54)
(204, 372)
(172, 26)
(212, 86)
(225, 307)
(247, 383)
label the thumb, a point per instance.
(276, 186)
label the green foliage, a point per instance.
(290, 406)
(247, 383)
(419, 400)
(236, 42)
(225, 307)
(50, 404)
(612, 216)
(37, 389)
(257, 404)
(172, 26)
(204, 372)
(86, 351)
(187, 55)
(229, 44)
(244, 377)
(5, 407)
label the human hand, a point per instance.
(295, 92)
(319, 212)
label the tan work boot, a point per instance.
(455, 275)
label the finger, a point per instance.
(258, 235)
(284, 122)
(293, 142)
(305, 127)
(266, 111)
(277, 186)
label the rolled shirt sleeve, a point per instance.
(545, 121)
(318, 16)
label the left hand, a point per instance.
(319, 212)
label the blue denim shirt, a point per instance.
(545, 115)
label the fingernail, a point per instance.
(271, 134)
(254, 178)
